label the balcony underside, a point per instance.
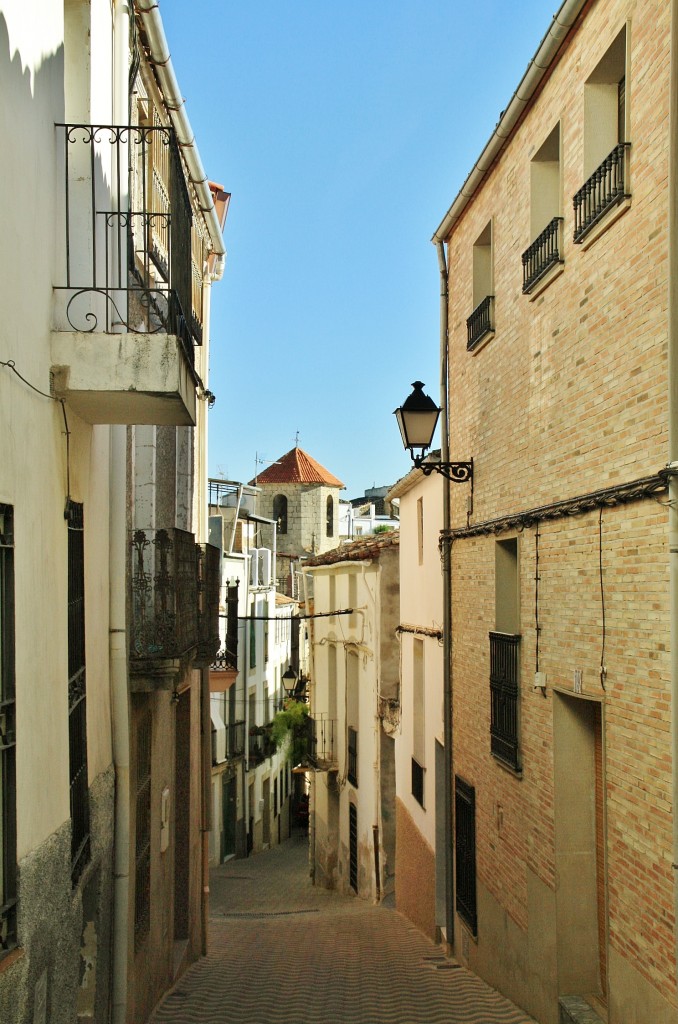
(124, 378)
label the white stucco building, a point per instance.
(112, 241)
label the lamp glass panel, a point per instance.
(418, 428)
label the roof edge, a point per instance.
(544, 57)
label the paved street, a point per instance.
(284, 952)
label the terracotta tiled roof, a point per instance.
(366, 549)
(297, 467)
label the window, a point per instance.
(480, 324)
(353, 756)
(142, 845)
(352, 600)
(420, 530)
(465, 847)
(546, 220)
(606, 149)
(418, 731)
(280, 512)
(8, 875)
(332, 598)
(253, 638)
(329, 517)
(77, 704)
(505, 657)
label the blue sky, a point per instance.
(344, 132)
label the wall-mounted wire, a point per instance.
(603, 668)
(11, 365)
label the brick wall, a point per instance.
(569, 396)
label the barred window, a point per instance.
(8, 874)
(77, 703)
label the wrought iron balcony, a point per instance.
(164, 600)
(322, 749)
(541, 255)
(604, 189)
(480, 323)
(504, 693)
(209, 570)
(131, 265)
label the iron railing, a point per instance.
(164, 601)
(352, 756)
(604, 189)
(465, 848)
(127, 259)
(480, 322)
(541, 255)
(208, 584)
(504, 691)
(322, 750)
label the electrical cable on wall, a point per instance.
(11, 365)
(603, 669)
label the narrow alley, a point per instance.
(283, 950)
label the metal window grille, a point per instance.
(417, 782)
(465, 846)
(504, 692)
(353, 847)
(77, 700)
(142, 889)
(480, 322)
(352, 756)
(8, 874)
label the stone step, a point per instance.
(575, 1010)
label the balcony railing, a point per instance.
(604, 189)
(352, 756)
(127, 257)
(322, 749)
(541, 255)
(480, 323)
(504, 692)
(163, 583)
(209, 569)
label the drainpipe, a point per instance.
(448, 707)
(673, 438)
(119, 695)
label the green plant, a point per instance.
(290, 728)
(383, 528)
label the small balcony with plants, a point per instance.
(128, 291)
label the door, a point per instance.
(353, 846)
(228, 810)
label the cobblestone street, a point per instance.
(285, 952)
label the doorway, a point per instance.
(581, 903)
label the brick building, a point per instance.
(557, 261)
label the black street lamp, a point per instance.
(417, 418)
(289, 681)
